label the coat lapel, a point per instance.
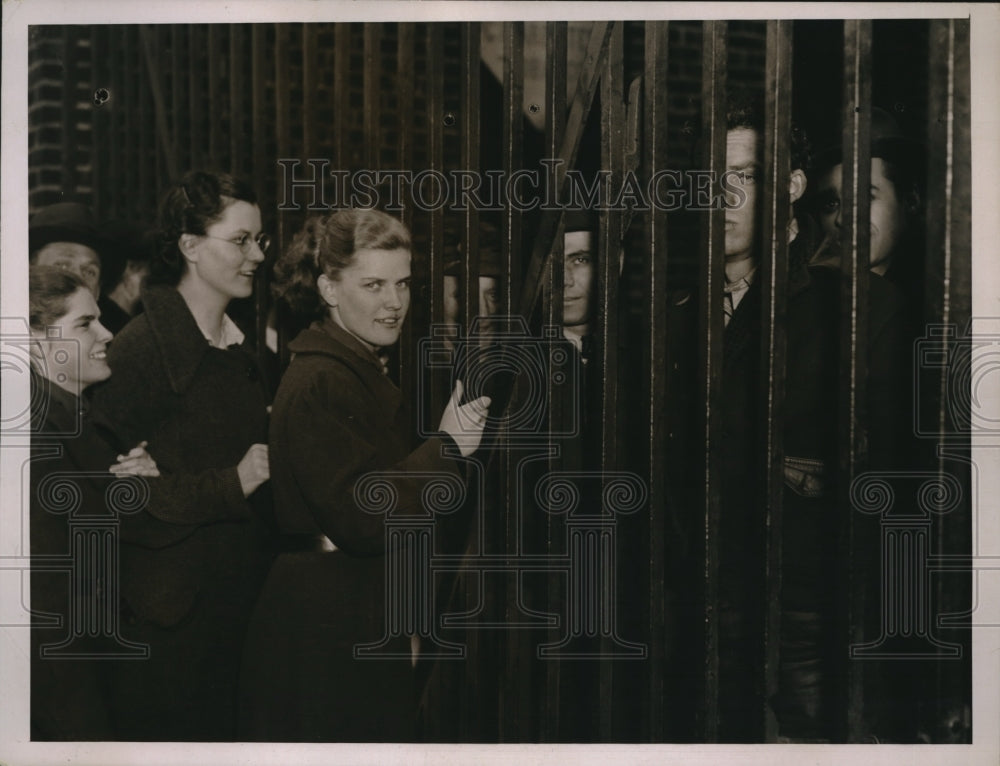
(178, 339)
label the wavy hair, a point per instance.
(327, 245)
(49, 289)
(190, 207)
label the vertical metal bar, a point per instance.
(586, 87)
(513, 144)
(310, 87)
(373, 90)
(949, 290)
(855, 225)
(282, 103)
(435, 156)
(143, 143)
(713, 109)
(258, 44)
(282, 126)
(774, 276)
(196, 102)
(516, 677)
(69, 142)
(162, 139)
(176, 97)
(556, 48)
(165, 144)
(948, 272)
(612, 159)
(237, 99)
(470, 158)
(133, 133)
(214, 96)
(471, 131)
(405, 75)
(341, 94)
(655, 120)
(257, 85)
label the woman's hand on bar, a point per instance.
(465, 422)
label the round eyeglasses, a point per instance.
(262, 240)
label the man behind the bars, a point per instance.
(808, 572)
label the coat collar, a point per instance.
(327, 337)
(177, 336)
(55, 406)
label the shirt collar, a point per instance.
(231, 334)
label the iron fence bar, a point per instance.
(470, 158)
(142, 152)
(433, 306)
(713, 109)
(471, 132)
(612, 158)
(166, 141)
(237, 99)
(516, 675)
(556, 49)
(855, 227)
(948, 277)
(774, 276)
(341, 96)
(371, 76)
(405, 74)
(655, 117)
(214, 95)
(196, 103)
(258, 140)
(597, 51)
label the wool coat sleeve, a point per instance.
(337, 433)
(136, 403)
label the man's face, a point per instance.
(742, 157)
(74, 257)
(888, 218)
(578, 281)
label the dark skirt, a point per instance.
(301, 679)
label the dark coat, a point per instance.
(811, 518)
(68, 696)
(200, 409)
(336, 417)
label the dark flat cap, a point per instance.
(64, 222)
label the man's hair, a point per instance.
(745, 109)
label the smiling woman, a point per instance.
(337, 417)
(73, 458)
(184, 379)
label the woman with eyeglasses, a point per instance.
(185, 380)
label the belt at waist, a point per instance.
(305, 543)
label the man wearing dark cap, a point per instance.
(64, 235)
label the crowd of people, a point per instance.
(252, 572)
